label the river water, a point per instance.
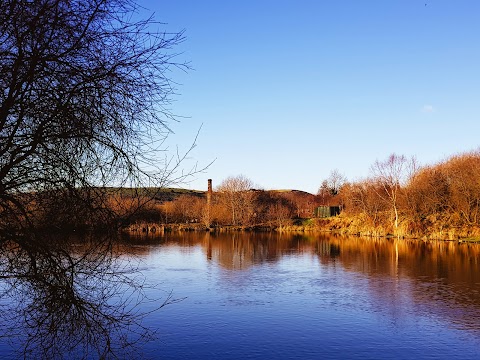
(274, 296)
(283, 296)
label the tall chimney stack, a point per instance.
(209, 192)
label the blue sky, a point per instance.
(287, 91)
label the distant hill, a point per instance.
(170, 194)
(297, 192)
(160, 194)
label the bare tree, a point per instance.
(447, 193)
(324, 192)
(362, 197)
(84, 96)
(280, 212)
(330, 187)
(238, 197)
(335, 181)
(392, 174)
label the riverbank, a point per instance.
(358, 225)
(342, 225)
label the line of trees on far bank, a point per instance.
(403, 198)
(399, 197)
(235, 202)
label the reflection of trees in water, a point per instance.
(437, 277)
(69, 299)
(434, 277)
(243, 250)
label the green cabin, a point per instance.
(325, 211)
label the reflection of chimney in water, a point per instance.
(209, 192)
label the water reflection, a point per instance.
(238, 251)
(67, 297)
(441, 279)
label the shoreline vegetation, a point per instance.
(400, 199)
(338, 225)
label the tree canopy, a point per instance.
(84, 96)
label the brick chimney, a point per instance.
(209, 192)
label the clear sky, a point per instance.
(286, 91)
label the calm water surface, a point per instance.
(260, 296)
